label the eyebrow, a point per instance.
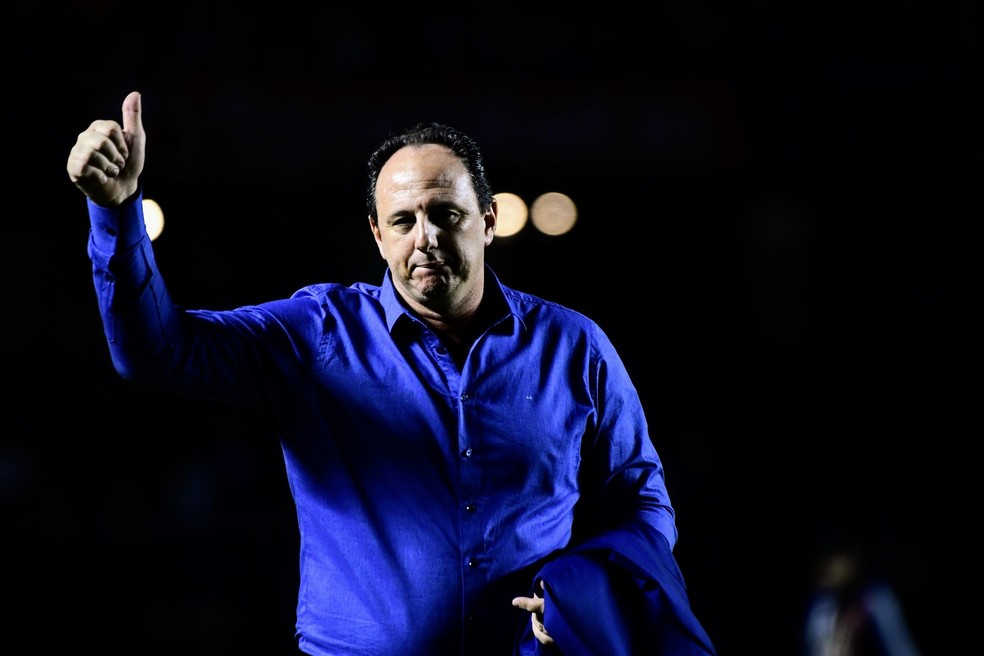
(437, 204)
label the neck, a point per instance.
(453, 319)
(459, 329)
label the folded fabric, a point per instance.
(619, 594)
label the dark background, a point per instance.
(779, 227)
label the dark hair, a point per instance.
(431, 133)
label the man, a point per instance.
(470, 464)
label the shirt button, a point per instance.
(441, 350)
(464, 397)
(472, 562)
(470, 507)
(467, 453)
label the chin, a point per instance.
(433, 292)
(431, 280)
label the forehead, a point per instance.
(430, 167)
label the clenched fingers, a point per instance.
(99, 153)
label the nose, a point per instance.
(426, 234)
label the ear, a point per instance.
(377, 236)
(491, 218)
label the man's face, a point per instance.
(431, 231)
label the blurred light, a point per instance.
(553, 213)
(153, 218)
(512, 214)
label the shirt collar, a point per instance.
(395, 311)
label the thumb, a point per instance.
(132, 121)
(135, 138)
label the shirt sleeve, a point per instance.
(139, 318)
(622, 474)
(236, 355)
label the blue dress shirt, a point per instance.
(427, 495)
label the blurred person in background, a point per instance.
(853, 612)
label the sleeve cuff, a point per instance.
(117, 228)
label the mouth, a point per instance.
(431, 274)
(428, 267)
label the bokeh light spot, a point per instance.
(553, 213)
(153, 218)
(512, 214)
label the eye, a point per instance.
(445, 218)
(403, 223)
